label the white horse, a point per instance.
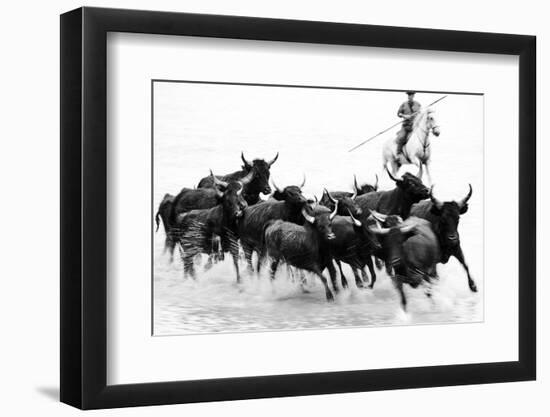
(417, 151)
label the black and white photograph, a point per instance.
(295, 207)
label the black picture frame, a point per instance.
(84, 207)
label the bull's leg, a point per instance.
(170, 246)
(235, 256)
(459, 255)
(332, 273)
(328, 292)
(216, 249)
(358, 280)
(261, 258)
(248, 250)
(398, 283)
(342, 276)
(209, 263)
(188, 267)
(273, 268)
(372, 272)
(303, 281)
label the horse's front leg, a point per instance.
(428, 173)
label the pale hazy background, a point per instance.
(203, 126)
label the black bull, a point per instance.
(444, 218)
(409, 190)
(302, 246)
(412, 250)
(251, 225)
(190, 199)
(211, 231)
(259, 183)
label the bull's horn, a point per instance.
(247, 178)
(354, 220)
(391, 176)
(217, 181)
(273, 160)
(463, 202)
(248, 164)
(303, 182)
(407, 228)
(376, 184)
(437, 203)
(331, 198)
(314, 202)
(377, 230)
(275, 185)
(378, 216)
(333, 214)
(308, 218)
(355, 187)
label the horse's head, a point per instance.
(431, 122)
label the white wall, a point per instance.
(29, 172)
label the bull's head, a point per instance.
(345, 204)
(449, 213)
(365, 188)
(260, 170)
(394, 232)
(363, 229)
(231, 197)
(411, 185)
(322, 220)
(292, 194)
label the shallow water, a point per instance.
(216, 303)
(199, 127)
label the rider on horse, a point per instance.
(407, 111)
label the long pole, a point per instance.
(391, 127)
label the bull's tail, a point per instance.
(262, 240)
(262, 250)
(164, 212)
(157, 221)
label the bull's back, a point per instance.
(292, 243)
(208, 182)
(255, 218)
(422, 249)
(198, 199)
(370, 201)
(423, 210)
